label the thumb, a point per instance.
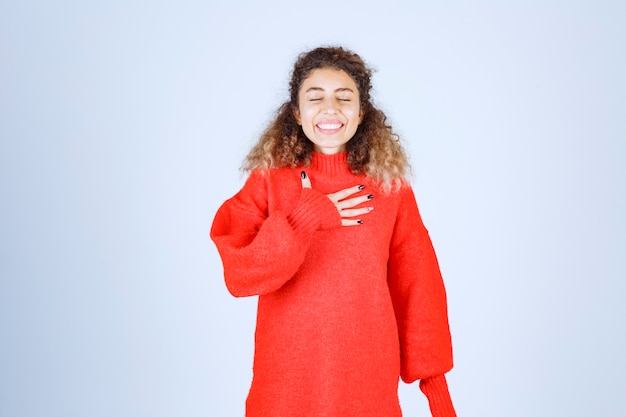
(306, 182)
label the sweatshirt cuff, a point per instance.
(436, 390)
(314, 210)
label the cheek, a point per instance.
(356, 113)
(306, 113)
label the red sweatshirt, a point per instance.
(343, 312)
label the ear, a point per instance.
(296, 115)
(361, 114)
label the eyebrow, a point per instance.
(340, 89)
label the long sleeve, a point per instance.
(261, 248)
(436, 390)
(420, 304)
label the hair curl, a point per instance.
(374, 150)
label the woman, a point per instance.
(327, 233)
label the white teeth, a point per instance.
(329, 126)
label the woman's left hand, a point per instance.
(345, 206)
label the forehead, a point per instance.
(328, 79)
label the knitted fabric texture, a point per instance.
(343, 312)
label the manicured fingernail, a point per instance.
(369, 197)
(370, 208)
(303, 175)
(359, 221)
(361, 187)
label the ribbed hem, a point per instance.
(335, 164)
(439, 401)
(314, 210)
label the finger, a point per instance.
(306, 181)
(355, 212)
(341, 194)
(349, 222)
(352, 202)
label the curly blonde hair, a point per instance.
(374, 150)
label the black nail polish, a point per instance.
(303, 175)
(361, 187)
(359, 221)
(369, 197)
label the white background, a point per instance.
(122, 127)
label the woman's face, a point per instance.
(328, 109)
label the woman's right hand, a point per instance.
(345, 206)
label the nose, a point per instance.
(330, 108)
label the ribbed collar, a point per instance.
(336, 164)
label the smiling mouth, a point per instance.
(329, 126)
